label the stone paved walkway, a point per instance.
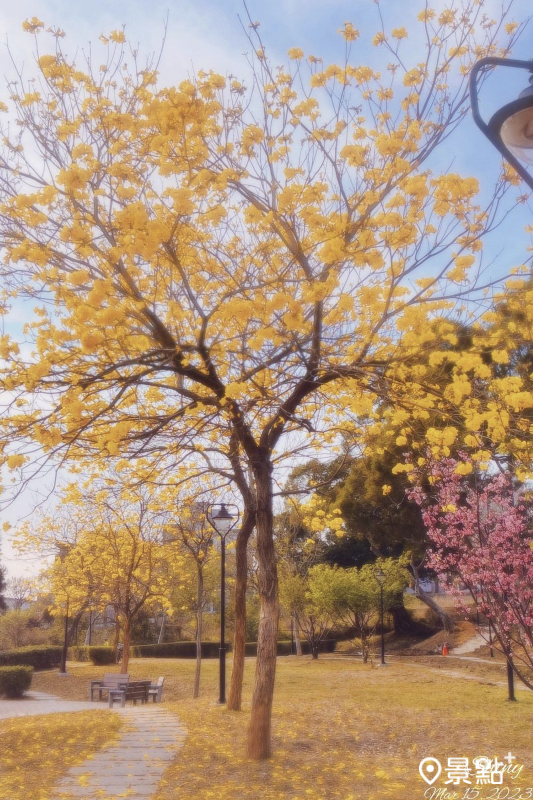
(41, 703)
(479, 640)
(133, 767)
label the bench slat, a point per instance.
(113, 680)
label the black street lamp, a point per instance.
(63, 551)
(510, 129)
(381, 578)
(223, 522)
(64, 652)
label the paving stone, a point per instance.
(149, 741)
(140, 768)
(113, 781)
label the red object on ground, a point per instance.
(445, 650)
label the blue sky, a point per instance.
(207, 34)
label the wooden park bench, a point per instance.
(133, 690)
(156, 690)
(111, 682)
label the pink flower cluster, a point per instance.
(480, 530)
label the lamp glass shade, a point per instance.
(513, 124)
(380, 577)
(517, 134)
(222, 520)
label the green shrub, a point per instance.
(284, 647)
(78, 654)
(210, 649)
(175, 650)
(15, 680)
(325, 646)
(101, 655)
(98, 654)
(39, 657)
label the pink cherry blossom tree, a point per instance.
(481, 532)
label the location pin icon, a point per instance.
(430, 769)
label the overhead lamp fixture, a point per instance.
(510, 129)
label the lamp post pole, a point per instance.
(64, 653)
(382, 631)
(62, 554)
(222, 650)
(223, 522)
(381, 577)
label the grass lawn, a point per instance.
(341, 729)
(36, 751)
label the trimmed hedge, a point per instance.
(175, 650)
(98, 655)
(102, 655)
(325, 646)
(284, 647)
(78, 654)
(211, 649)
(15, 680)
(39, 657)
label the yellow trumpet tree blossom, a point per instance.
(117, 558)
(474, 393)
(69, 578)
(191, 534)
(222, 267)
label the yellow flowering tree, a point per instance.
(221, 271)
(69, 577)
(192, 534)
(132, 563)
(109, 551)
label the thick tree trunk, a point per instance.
(365, 647)
(239, 638)
(69, 631)
(199, 619)
(297, 639)
(127, 643)
(116, 638)
(259, 744)
(447, 621)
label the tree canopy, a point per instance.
(227, 271)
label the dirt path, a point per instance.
(467, 676)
